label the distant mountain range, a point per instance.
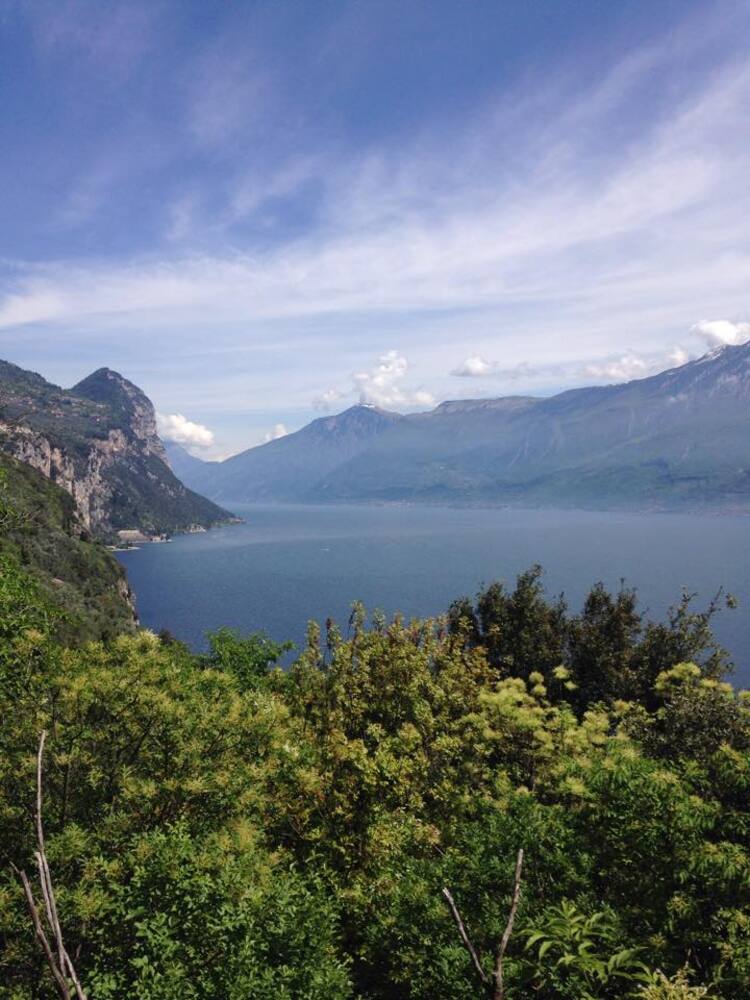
(679, 439)
(98, 441)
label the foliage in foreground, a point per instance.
(218, 828)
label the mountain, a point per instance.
(183, 464)
(41, 535)
(99, 442)
(677, 439)
(295, 466)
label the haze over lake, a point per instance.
(287, 564)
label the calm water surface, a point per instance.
(288, 564)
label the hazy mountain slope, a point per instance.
(40, 532)
(293, 467)
(681, 436)
(99, 442)
(184, 465)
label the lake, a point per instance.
(287, 564)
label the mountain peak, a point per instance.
(362, 408)
(360, 418)
(129, 404)
(105, 386)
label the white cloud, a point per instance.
(327, 399)
(176, 427)
(474, 367)
(279, 431)
(421, 397)
(631, 366)
(621, 369)
(557, 238)
(382, 384)
(477, 367)
(678, 356)
(719, 332)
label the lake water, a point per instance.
(287, 564)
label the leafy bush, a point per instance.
(221, 828)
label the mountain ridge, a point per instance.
(679, 438)
(285, 468)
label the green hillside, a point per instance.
(79, 579)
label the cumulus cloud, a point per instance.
(279, 431)
(381, 385)
(719, 332)
(474, 367)
(176, 427)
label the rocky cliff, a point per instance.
(99, 442)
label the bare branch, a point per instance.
(41, 936)
(494, 983)
(465, 938)
(499, 986)
(45, 878)
(60, 966)
(72, 973)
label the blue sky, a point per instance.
(262, 210)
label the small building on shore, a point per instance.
(134, 536)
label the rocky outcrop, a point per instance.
(99, 442)
(84, 481)
(130, 403)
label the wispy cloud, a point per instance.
(114, 36)
(589, 226)
(228, 97)
(651, 222)
(475, 366)
(327, 399)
